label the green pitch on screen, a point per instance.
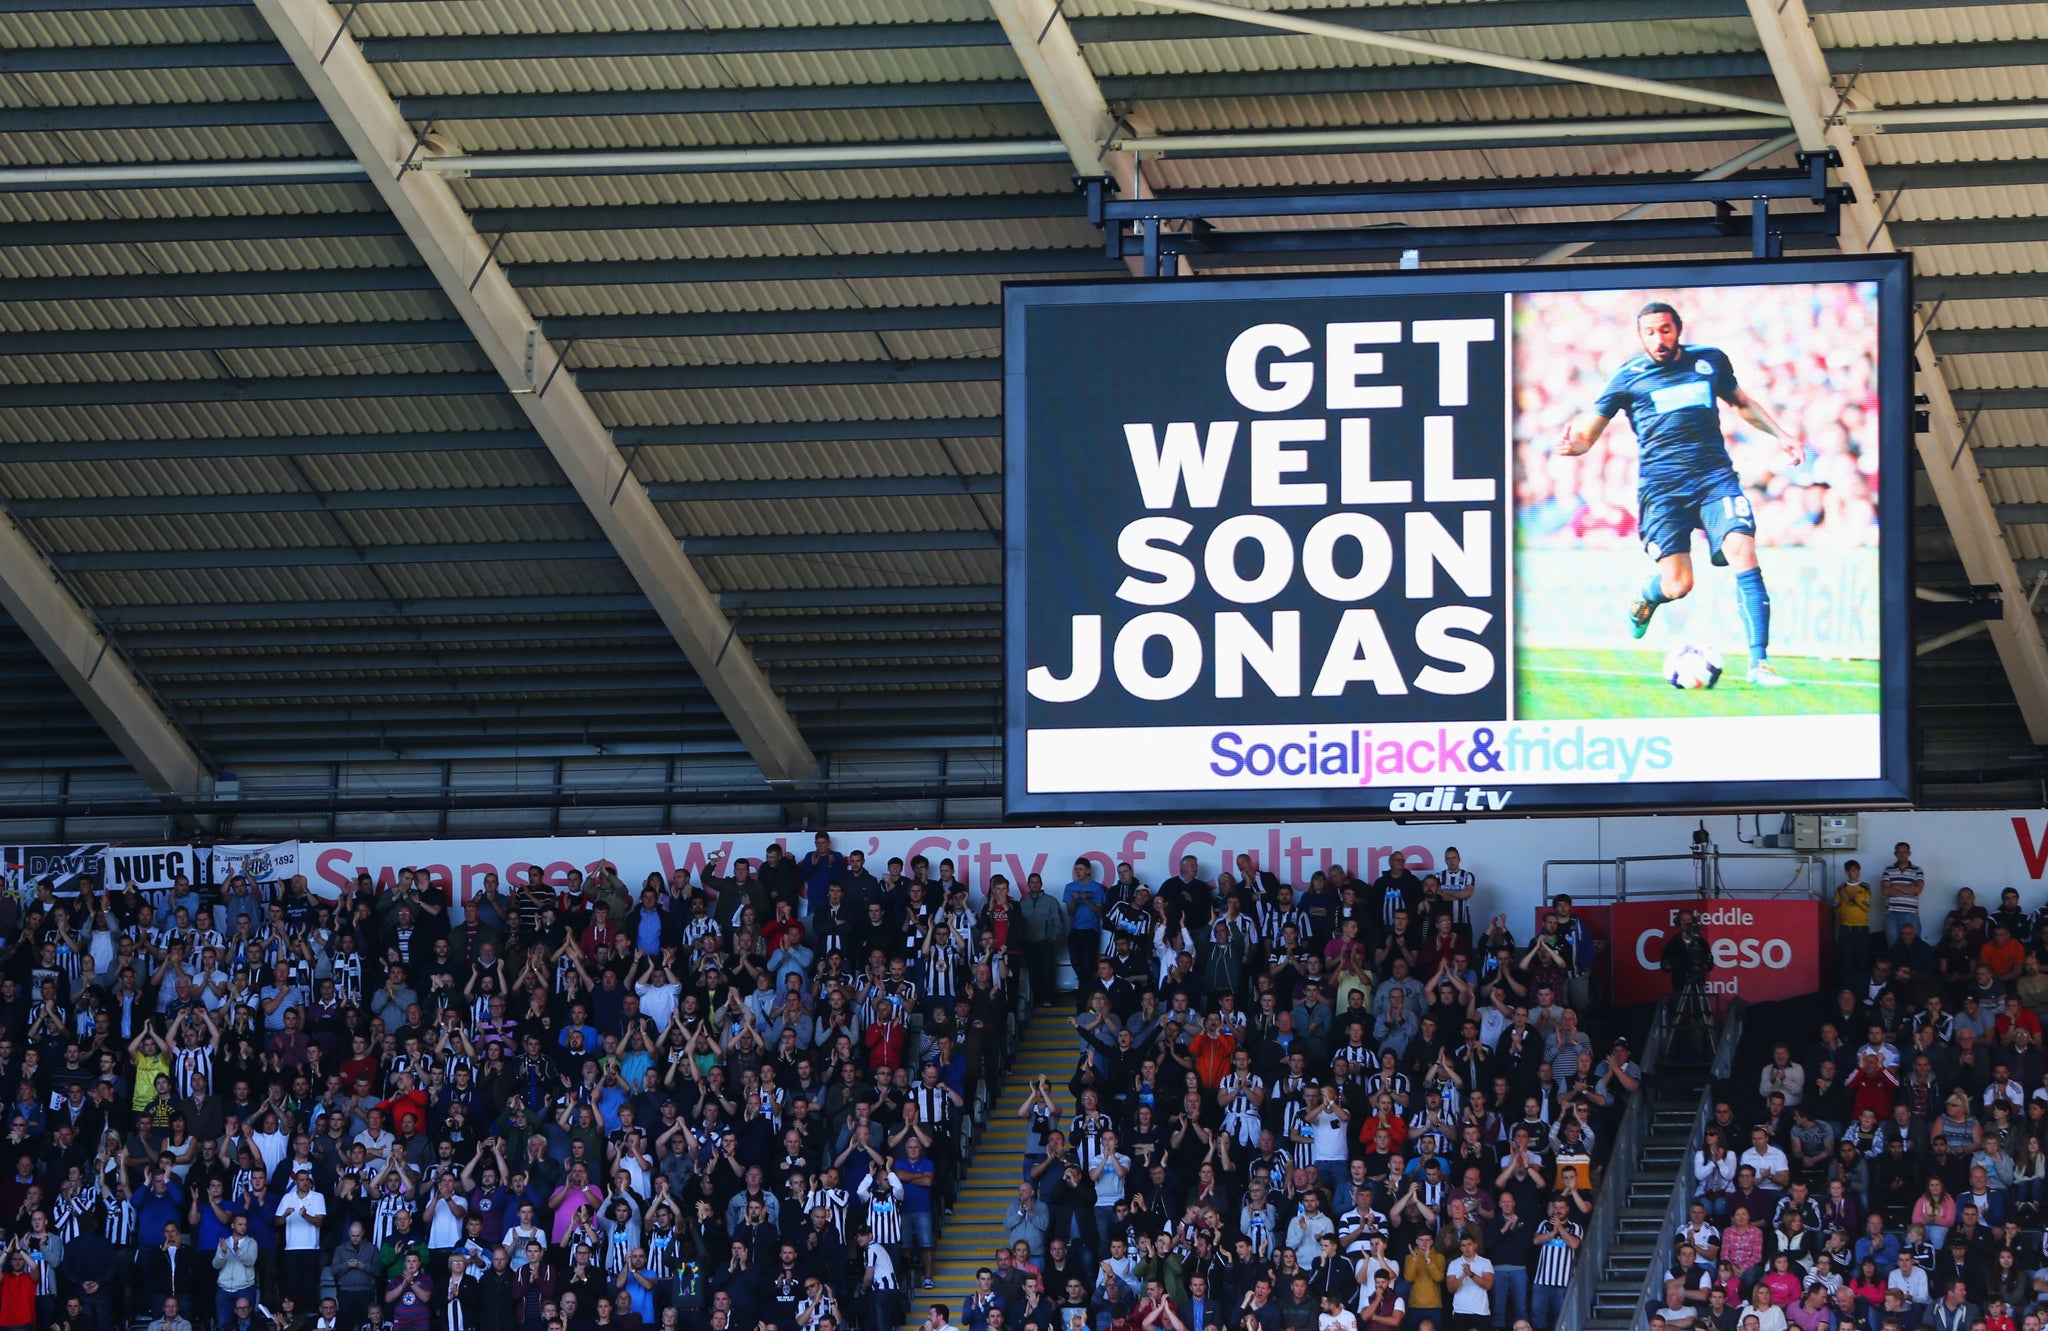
(1576, 684)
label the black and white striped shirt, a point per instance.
(119, 1215)
(939, 973)
(934, 1104)
(881, 1267)
(189, 1062)
(1555, 1258)
(834, 1201)
(1457, 880)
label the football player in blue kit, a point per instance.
(1671, 394)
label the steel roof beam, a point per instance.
(1801, 69)
(145, 642)
(556, 684)
(562, 663)
(511, 496)
(86, 659)
(437, 441)
(632, 217)
(630, 272)
(374, 556)
(361, 109)
(658, 378)
(269, 714)
(771, 600)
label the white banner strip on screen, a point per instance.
(1398, 757)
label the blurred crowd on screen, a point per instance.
(1807, 352)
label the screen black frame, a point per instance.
(1893, 788)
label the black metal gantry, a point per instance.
(1166, 229)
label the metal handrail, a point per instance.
(1681, 1196)
(1612, 1195)
(1812, 868)
(1599, 892)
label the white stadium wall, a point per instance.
(1983, 850)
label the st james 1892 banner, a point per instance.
(1458, 543)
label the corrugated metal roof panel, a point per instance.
(859, 293)
(772, 462)
(1551, 101)
(511, 577)
(1981, 201)
(190, 531)
(239, 363)
(795, 517)
(906, 124)
(339, 472)
(744, 242)
(207, 256)
(1956, 145)
(81, 479)
(462, 522)
(2009, 83)
(779, 349)
(793, 69)
(835, 402)
(310, 307)
(1953, 260)
(1451, 163)
(209, 201)
(2013, 312)
(1293, 51)
(902, 568)
(174, 85)
(2002, 370)
(240, 586)
(2018, 485)
(2028, 540)
(431, 18)
(2011, 429)
(195, 143)
(391, 358)
(86, 25)
(234, 420)
(1932, 26)
(597, 191)
(783, 349)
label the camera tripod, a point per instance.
(1692, 1019)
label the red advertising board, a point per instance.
(1762, 949)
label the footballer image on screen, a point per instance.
(1696, 467)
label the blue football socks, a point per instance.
(1654, 591)
(1756, 612)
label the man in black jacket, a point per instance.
(91, 1270)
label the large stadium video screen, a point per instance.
(1459, 543)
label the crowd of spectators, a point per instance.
(1342, 1104)
(1884, 1169)
(730, 1103)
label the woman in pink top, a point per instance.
(1936, 1210)
(1742, 1246)
(574, 1194)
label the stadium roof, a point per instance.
(291, 484)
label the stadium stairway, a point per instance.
(1638, 1240)
(989, 1186)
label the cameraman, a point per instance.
(1687, 955)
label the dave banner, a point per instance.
(1459, 543)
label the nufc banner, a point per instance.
(1487, 542)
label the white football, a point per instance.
(1692, 666)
